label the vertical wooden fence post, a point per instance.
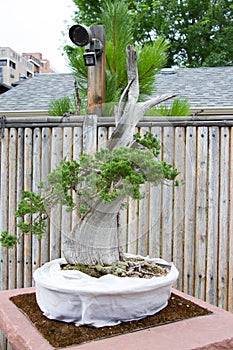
(96, 76)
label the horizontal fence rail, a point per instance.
(191, 224)
(70, 120)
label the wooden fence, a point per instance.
(191, 225)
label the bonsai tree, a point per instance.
(102, 182)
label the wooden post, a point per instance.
(96, 76)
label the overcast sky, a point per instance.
(37, 26)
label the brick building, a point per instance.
(15, 67)
(41, 65)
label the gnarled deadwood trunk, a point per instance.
(95, 238)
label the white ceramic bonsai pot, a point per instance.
(73, 296)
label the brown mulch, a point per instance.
(61, 334)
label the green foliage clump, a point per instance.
(32, 215)
(63, 105)
(179, 107)
(149, 141)
(32, 204)
(104, 176)
(7, 240)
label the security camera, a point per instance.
(82, 35)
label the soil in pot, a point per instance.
(129, 267)
(61, 334)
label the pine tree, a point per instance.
(118, 26)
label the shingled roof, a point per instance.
(203, 87)
(36, 93)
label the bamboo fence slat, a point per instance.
(201, 211)
(66, 217)
(77, 151)
(132, 245)
(27, 239)
(223, 257)
(155, 201)
(133, 227)
(167, 196)
(36, 179)
(20, 186)
(143, 223)
(143, 216)
(89, 134)
(12, 205)
(110, 131)
(77, 143)
(45, 170)
(55, 212)
(213, 217)
(189, 212)
(102, 138)
(229, 285)
(123, 228)
(178, 229)
(4, 208)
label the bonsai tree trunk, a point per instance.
(95, 238)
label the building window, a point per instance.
(3, 63)
(3, 52)
(12, 73)
(12, 64)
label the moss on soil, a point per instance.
(61, 334)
